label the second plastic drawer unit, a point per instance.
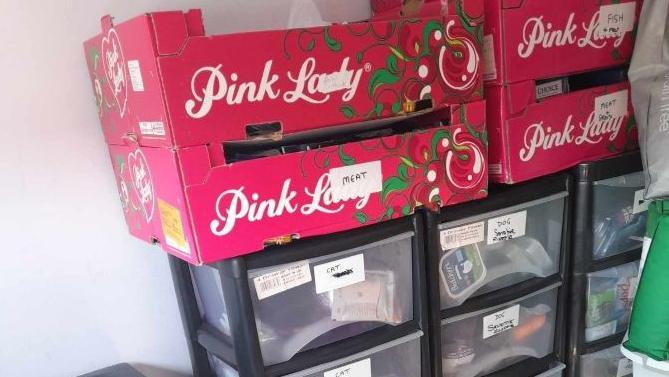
(556, 371)
(609, 224)
(608, 362)
(312, 302)
(500, 257)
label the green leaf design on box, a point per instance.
(407, 162)
(397, 107)
(391, 64)
(347, 111)
(631, 122)
(361, 217)
(94, 56)
(381, 77)
(332, 44)
(391, 185)
(378, 109)
(406, 210)
(402, 172)
(311, 45)
(343, 157)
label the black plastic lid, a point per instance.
(626, 163)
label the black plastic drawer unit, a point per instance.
(496, 281)
(353, 302)
(609, 224)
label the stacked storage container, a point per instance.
(287, 168)
(609, 226)
(497, 281)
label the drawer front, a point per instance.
(500, 249)
(318, 301)
(609, 362)
(610, 294)
(619, 215)
(484, 342)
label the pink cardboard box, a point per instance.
(530, 138)
(161, 82)
(202, 209)
(536, 39)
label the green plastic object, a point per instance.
(649, 325)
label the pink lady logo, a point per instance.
(210, 85)
(141, 180)
(114, 65)
(234, 205)
(611, 22)
(540, 137)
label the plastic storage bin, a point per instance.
(400, 358)
(556, 371)
(294, 310)
(608, 362)
(610, 295)
(514, 244)
(477, 344)
(609, 223)
(307, 304)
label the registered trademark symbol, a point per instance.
(368, 67)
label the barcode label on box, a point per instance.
(501, 321)
(507, 227)
(362, 368)
(135, 76)
(275, 282)
(152, 128)
(462, 236)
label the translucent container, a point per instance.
(609, 362)
(480, 343)
(556, 371)
(610, 294)
(310, 303)
(500, 249)
(619, 215)
(400, 358)
(221, 368)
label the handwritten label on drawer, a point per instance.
(507, 227)
(462, 236)
(640, 205)
(501, 321)
(340, 273)
(278, 281)
(625, 367)
(362, 368)
(357, 181)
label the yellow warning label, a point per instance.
(173, 228)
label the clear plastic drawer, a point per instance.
(619, 215)
(609, 300)
(609, 362)
(480, 343)
(500, 249)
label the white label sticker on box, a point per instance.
(616, 19)
(135, 76)
(501, 321)
(340, 273)
(625, 367)
(548, 89)
(462, 235)
(611, 106)
(362, 368)
(357, 181)
(489, 68)
(640, 204)
(152, 128)
(507, 227)
(278, 281)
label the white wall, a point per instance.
(76, 292)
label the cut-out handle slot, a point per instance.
(270, 131)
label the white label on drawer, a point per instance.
(357, 181)
(340, 273)
(507, 227)
(275, 282)
(152, 128)
(616, 19)
(462, 235)
(362, 368)
(135, 75)
(625, 367)
(489, 69)
(548, 89)
(612, 106)
(640, 205)
(501, 321)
